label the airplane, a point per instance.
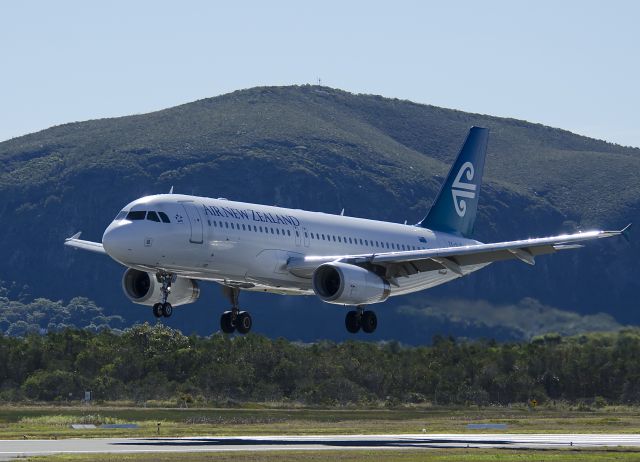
(171, 242)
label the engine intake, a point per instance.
(143, 288)
(345, 284)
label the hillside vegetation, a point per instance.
(322, 149)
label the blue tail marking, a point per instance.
(455, 207)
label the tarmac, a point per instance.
(20, 448)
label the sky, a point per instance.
(568, 64)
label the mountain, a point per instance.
(322, 149)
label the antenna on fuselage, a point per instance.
(342, 213)
(171, 190)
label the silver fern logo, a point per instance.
(462, 190)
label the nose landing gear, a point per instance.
(164, 308)
(361, 319)
(233, 320)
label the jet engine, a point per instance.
(345, 284)
(143, 288)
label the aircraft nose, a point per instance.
(116, 241)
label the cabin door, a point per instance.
(195, 221)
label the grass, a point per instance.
(435, 455)
(54, 422)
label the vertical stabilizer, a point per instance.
(455, 207)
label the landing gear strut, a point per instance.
(361, 319)
(235, 319)
(164, 308)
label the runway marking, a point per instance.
(425, 441)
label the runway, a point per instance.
(15, 448)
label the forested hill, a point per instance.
(322, 149)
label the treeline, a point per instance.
(158, 363)
(21, 317)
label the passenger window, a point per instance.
(339, 239)
(137, 215)
(243, 228)
(272, 232)
(226, 224)
(323, 237)
(164, 217)
(153, 216)
(278, 231)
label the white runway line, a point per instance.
(15, 448)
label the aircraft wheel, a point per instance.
(352, 321)
(167, 310)
(226, 323)
(369, 321)
(243, 322)
(157, 310)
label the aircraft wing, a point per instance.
(454, 259)
(74, 242)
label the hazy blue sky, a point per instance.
(568, 64)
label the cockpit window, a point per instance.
(121, 215)
(153, 216)
(137, 215)
(164, 217)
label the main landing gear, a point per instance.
(235, 319)
(164, 308)
(361, 319)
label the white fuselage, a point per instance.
(249, 245)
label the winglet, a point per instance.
(625, 232)
(75, 236)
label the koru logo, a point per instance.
(461, 189)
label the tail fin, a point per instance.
(454, 209)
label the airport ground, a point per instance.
(433, 455)
(53, 422)
(44, 422)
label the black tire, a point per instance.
(167, 310)
(369, 321)
(243, 322)
(226, 323)
(157, 310)
(352, 322)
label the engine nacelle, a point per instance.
(345, 284)
(143, 288)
